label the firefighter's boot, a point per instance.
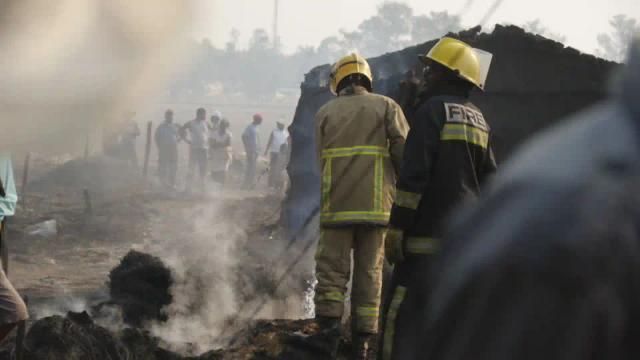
(327, 338)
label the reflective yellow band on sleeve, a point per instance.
(407, 199)
(331, 296)
(355, 150)
(346, 216)
(390, 323)
(466, 133)
(363, 311)
(422, 245)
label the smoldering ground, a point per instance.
(226, 260)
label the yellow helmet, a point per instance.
(459, 57)
(349, 65)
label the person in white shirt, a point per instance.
(279, 137)
(221, 152)
(196, 134)
(251, 141)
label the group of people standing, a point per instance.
(211, 152)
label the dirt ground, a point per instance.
(69, 269)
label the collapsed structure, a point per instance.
(534, 82)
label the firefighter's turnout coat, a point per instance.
(447, 157)
(360, 139)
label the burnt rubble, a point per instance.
(139, 286)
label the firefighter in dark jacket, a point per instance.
(547, 264)
(447, 158)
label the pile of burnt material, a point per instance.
(77, 337)
(140, 288)
(532, 84)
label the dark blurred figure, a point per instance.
(447, 158)
(548, 265)
(251, 142)
(408, 94)
(166, 138)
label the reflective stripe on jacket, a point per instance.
(360, 139)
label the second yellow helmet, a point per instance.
(458, 57)
(349, 65)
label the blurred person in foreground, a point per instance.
(12, 308)
(221, 153)
(279, 137)
(196, 133)
(447, 159)
(251, 142)
(166, 138)
(547, 266)
(360, 137)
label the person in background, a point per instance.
(215, 119)
(166, 138)
(221, 153)
(277, 139)
(408, 93)
(284, 156)
(251, 142)
(196, 133)
(13, 310)
(129, 133)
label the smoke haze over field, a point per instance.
(70, 66)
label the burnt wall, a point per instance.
(533, 83)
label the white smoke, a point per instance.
(221, 275)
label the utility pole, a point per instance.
(276, 38)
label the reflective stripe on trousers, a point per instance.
(421, 245)
(390, 323)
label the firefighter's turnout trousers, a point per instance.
(333, 268)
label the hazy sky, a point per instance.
(307, 22)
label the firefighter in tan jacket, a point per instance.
(360, 139)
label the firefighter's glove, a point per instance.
(393, 246)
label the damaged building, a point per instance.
(534, 82)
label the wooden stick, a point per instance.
(147, 150)
(88, 207)
(25, 178)
(86, 147)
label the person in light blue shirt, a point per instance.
(12, 308)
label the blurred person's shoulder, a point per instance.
(595, 141)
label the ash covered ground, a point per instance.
(154, 274)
